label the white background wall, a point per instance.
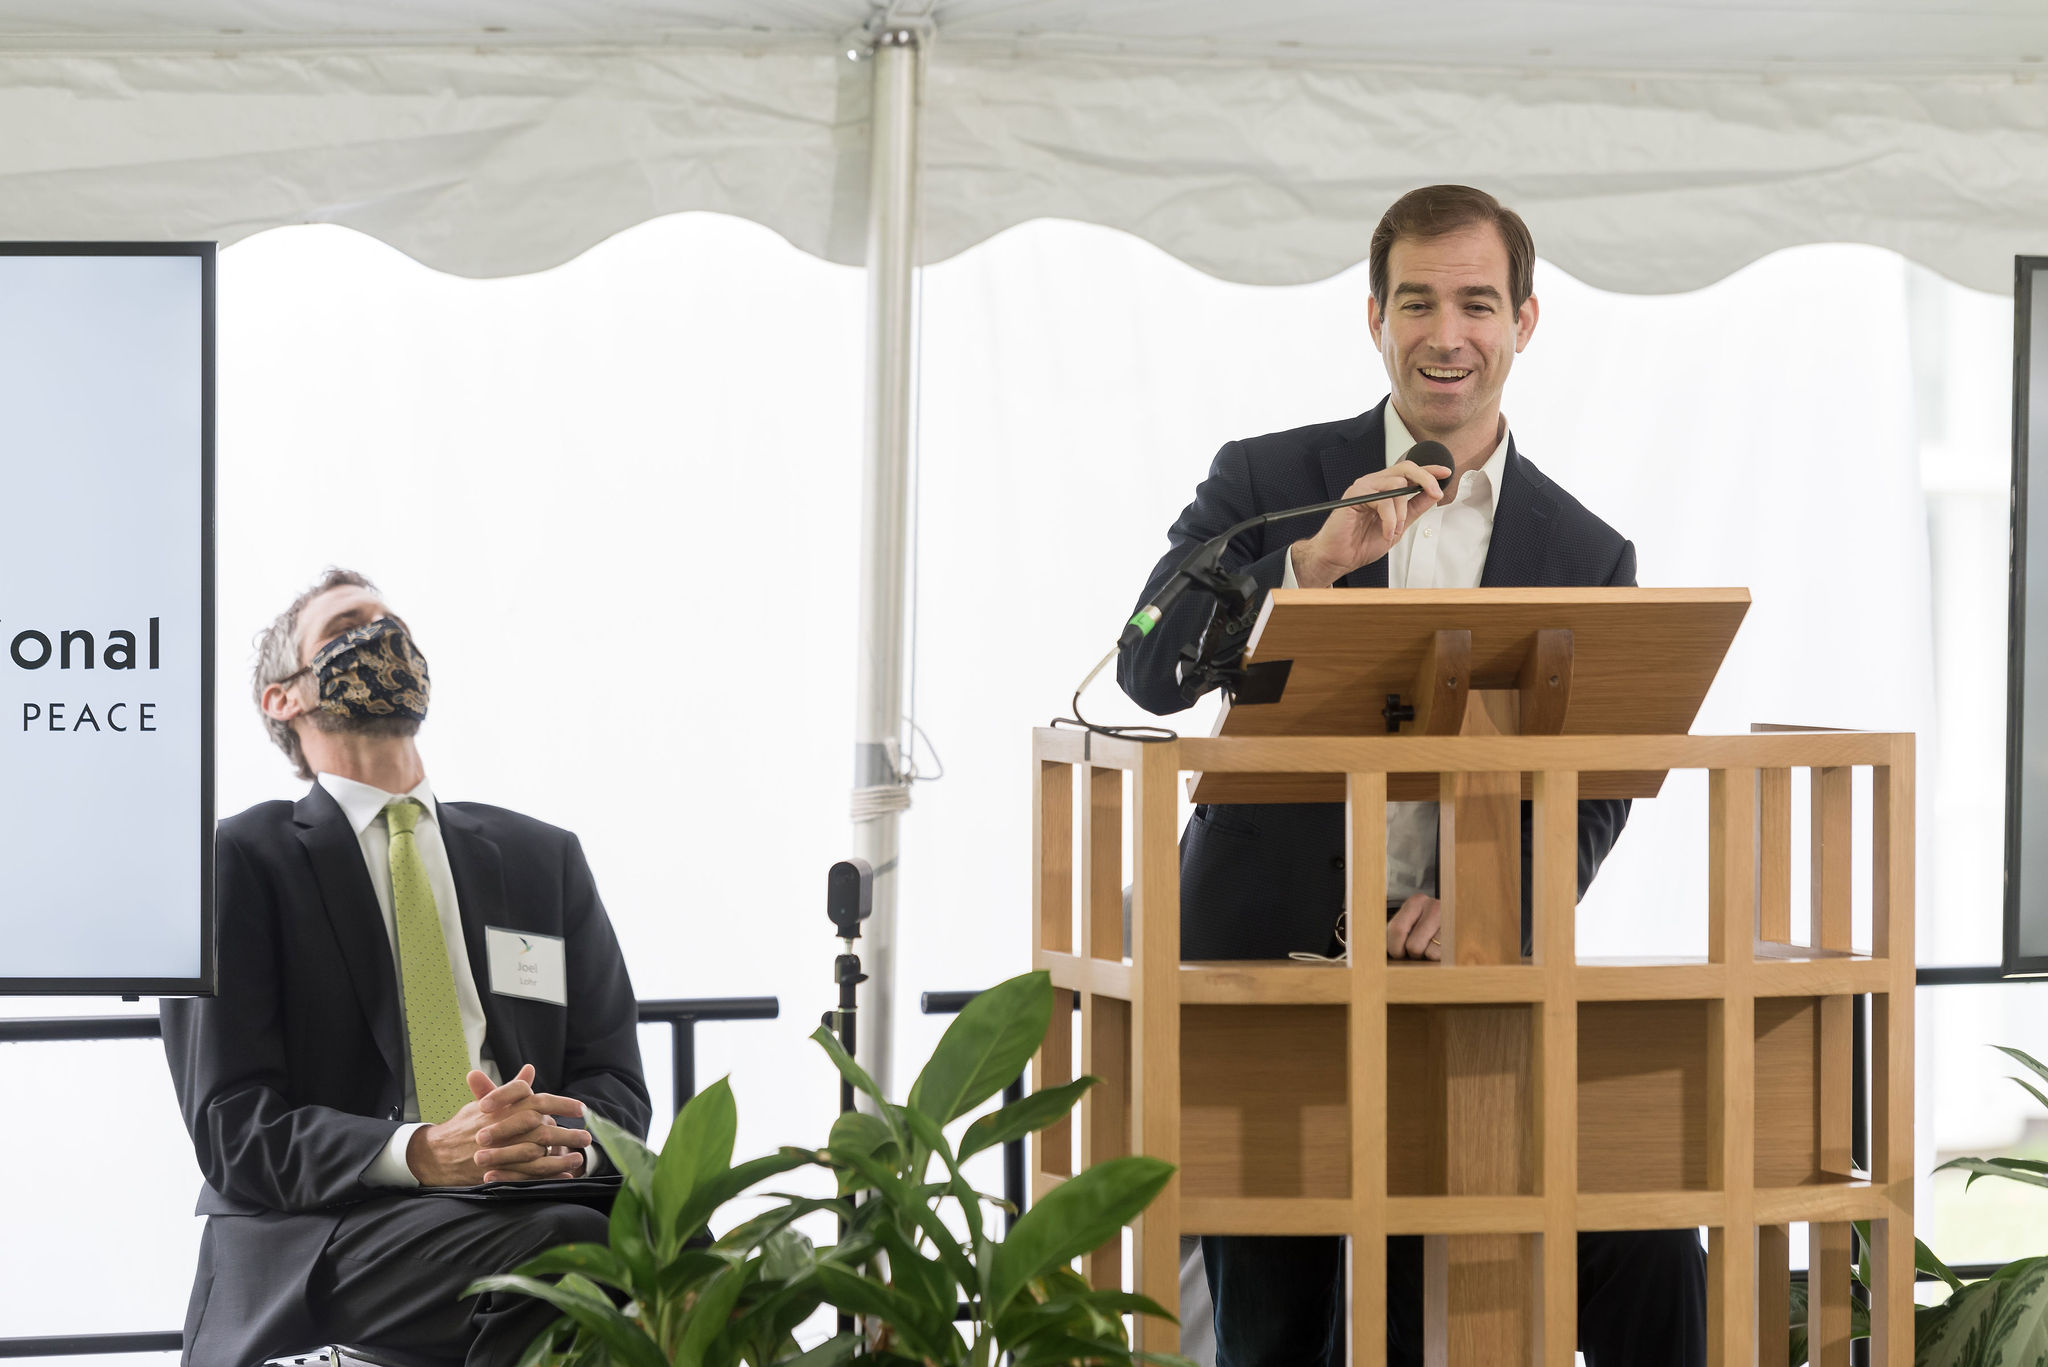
(617, 501)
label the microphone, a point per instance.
(1206, 556)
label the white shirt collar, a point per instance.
(1479, 489)
(363, 804)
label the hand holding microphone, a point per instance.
(1358, 535)
(1355, 534)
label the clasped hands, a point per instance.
(508, 1133)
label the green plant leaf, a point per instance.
(2032, 1090)
(629, 1237)
(859, 1132)
(698, 1148)
(681, 1275)
(920, 1327)
(634, 1160)
(1082, 1213)
(708, 1315)
(2032, 1064)
(715, 1191)
(916, 1275)
(910, 1207)
(1025, 1320)
(1060, 1350)
(748, 1235)
(2018, 1267)
(1925, 1261)
(581, 1300)
(594, 1261)
(933, 1139)
(1020, 1118)
(1927, 1321)
(848, 1069)
(2018, 1336)
(1957, 1338)
(786, 1255)
(774, 1319)
(1993, 1167)
(864, 1133)
(985, 1047)
(549, 1342)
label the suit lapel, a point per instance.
(1522, 518)
(1348, 461)
(479, 869)
(351, 906)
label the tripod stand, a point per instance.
(849, 895)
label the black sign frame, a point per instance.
(2027, 272)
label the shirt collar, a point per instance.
(1482, 492)
(363, 804)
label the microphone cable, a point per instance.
(1148, 617)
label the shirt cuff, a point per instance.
(389, 1168)
(1287, 579)
(593, 1159)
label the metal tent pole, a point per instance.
(881, 793)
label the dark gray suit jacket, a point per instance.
(1259, 881)
(290, 1078)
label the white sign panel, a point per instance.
(105, 618)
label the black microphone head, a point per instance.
(1431, 453)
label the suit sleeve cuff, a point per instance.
(389, 1168)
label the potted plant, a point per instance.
(665, 1292)
(1999, 1321)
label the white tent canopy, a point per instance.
(1654, 145)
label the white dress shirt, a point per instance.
(1445, 548)
(364, 807)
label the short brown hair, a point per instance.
(277, 659)
(1436, 210)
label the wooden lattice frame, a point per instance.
(1131, 1018)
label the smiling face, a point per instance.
(1449, 333)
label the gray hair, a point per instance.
(277, 659)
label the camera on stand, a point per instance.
(849, 897)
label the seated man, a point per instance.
(412, 994)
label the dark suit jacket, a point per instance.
(290, 1078)
(1259, 881)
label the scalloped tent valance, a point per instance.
(1652, 147)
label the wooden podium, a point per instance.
(1495, 1103)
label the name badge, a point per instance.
(524, 964)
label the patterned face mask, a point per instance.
(372, 671)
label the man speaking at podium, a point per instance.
(1452, 305)
(413, 994)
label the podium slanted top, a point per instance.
(1640, 663)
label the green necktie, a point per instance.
(433, 1023)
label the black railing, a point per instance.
(681, 1015)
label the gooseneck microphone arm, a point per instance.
(1206, 555)
(1201, 569)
